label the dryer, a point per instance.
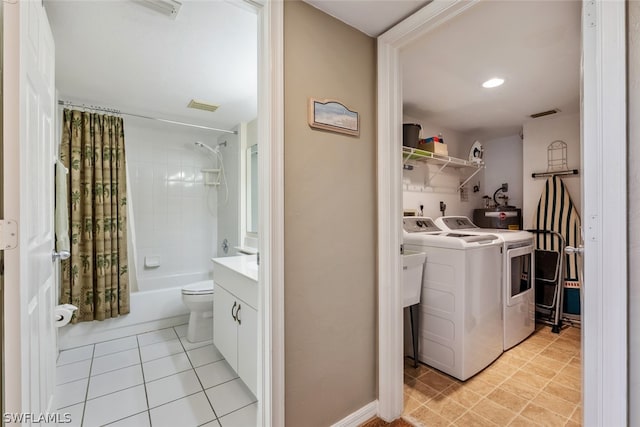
(461, 311)
(518, 295)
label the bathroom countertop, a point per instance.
(244, 264)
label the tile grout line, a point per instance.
(116, 391)
(549, 345)
(146, 395)
(86, 392)
(200, 382)
(242, 407)
(113, 370)
(86, 395)
(540, 389)
(121, 338)
(176, 399)
(124, 418)
(167, 376)
(139, 347)
(549, 380)
(534, 354)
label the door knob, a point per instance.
(572, 250)
(62, 255)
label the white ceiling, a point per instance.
(372, 17)
(122, 55)
(533, 45)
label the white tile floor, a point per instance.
(153, 379)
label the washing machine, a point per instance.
(518, 247)
(460, 305)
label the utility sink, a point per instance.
(412, 268)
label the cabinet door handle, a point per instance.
(232, 313)
(238, 314)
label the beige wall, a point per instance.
(634, 210)
(330, 222)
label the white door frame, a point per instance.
(271, 212)
(604, 198)
(604, 348)
(13, 363)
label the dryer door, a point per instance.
(519, 307)
(519, 274)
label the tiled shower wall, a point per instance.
(174, 214)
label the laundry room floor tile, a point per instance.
(535, 383)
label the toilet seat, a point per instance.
(204, 287)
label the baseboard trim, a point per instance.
(360, 416)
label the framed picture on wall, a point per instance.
(332, 115)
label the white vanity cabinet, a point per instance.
(235, 325)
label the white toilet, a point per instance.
(199, 298)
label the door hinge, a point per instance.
(8, 234)
(589, 13)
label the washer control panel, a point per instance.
(419, 225)
(458, 222)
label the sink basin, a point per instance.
(412, 266)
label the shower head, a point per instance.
(206, 147)
(214, 149)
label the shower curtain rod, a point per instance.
(114, 111)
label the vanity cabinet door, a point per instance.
(248, 346)
(225, 328)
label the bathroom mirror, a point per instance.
(252, 189)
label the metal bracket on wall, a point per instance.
(8, 234)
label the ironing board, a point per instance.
(556, 212)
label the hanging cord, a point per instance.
(212, 209)
(224, 177)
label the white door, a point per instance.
(31, 342)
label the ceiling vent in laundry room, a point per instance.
(204, 106)
(169, 8)
(545, 113)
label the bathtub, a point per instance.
(150, 310)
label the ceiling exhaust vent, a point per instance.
(545, 113)
(199, 105)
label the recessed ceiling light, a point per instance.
(494, 82)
